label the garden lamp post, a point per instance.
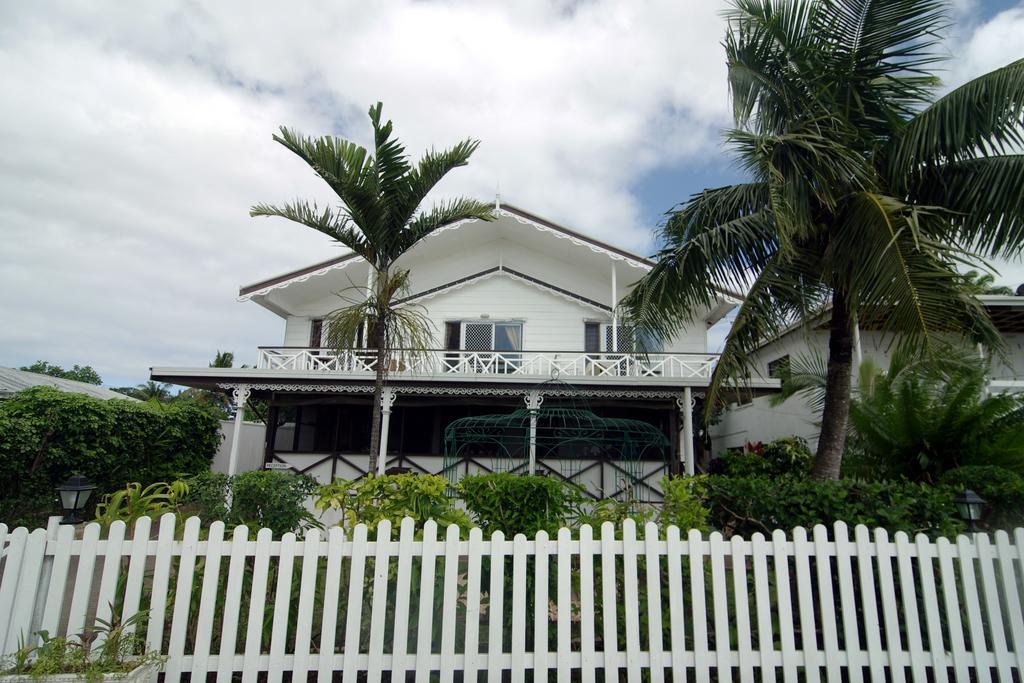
(969, 506)
(74, 494)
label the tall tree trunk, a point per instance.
(836, 412)
(382, 371)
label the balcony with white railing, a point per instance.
(448, 364)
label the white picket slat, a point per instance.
(232, 604)
(564, 605)
(304, 616)
(993, 613)
(805, 603)
(379, 602)
(58, 579)
(698, 604)
(139, 557)
(354, 605)
(518, 606)
(161, 580)
(784, 605)
(855, 656)
(759, 551)
(866, 569)
(677, 615)
(966, 554)
(207, 600)
(400, 640)
(496, 607)
(332, 589)
(908, 607)
(588, 655)
(930, 602)
(1013, 604)
(449, 612)
(12, 628)
(540, 606)
(826, 604)
(182, 598)
(20, 615)
(473, 579)
(652, 557)
(108, 577)
(741, 599)
(83, 586)
(720, 605)
(257, 604)
(952, 602)
(282, 607)
(609, 603)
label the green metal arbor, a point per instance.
(556, 440)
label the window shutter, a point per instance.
(592, 337)
(316, 333)
(452, 336)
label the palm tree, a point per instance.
(867, 193)
(153, 391)
(984, 283)
(223, 359)
(379, 219)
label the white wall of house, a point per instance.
(250, 448)
(759, 420)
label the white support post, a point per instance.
(533, 400)
(686, 405)
(387, 399)
(615, 311)
(240, 394)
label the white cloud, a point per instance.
(135, 140)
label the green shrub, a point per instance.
(208, 496)
(519, 504)
(745, 505)
(274, 499)
(784, 456)
(1002, 490)
(682, 507)
(615, 511)
(393, 497)
(46, 435)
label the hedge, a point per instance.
(746, 505)
(47, 435)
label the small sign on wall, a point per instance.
(276, 466)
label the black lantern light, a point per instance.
(74, 494)
(970, 506)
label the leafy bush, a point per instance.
(208, 494)
(393, 497)
(133, 502)
(519, 504)
(1002, 490)
(46, 435)
(745, 505)
(271, 498)
(784, 456)
(615, 511)
(682, 507)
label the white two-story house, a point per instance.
(524, 313)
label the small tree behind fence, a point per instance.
(658, 606)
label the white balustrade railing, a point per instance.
(499, 363)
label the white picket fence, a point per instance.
(614, 607)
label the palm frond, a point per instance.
(442, 214)
(983, 198)
(982, 117)
(338, 226)
(431, 168)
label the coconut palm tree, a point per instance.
(379, 219)
(867, 193)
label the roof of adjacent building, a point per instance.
(12, 381)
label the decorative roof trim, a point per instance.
(499, 271)
(282, 281)
(436, 390)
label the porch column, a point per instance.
(533, 401)
(685, 404)
(387, 399)
(615, 312)
(240, 394)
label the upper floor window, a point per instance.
(483, 336)
(603, 338)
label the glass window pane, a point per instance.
(508, 337)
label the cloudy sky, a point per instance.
(135, 137)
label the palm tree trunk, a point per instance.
(378, 391)
(836, 411)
